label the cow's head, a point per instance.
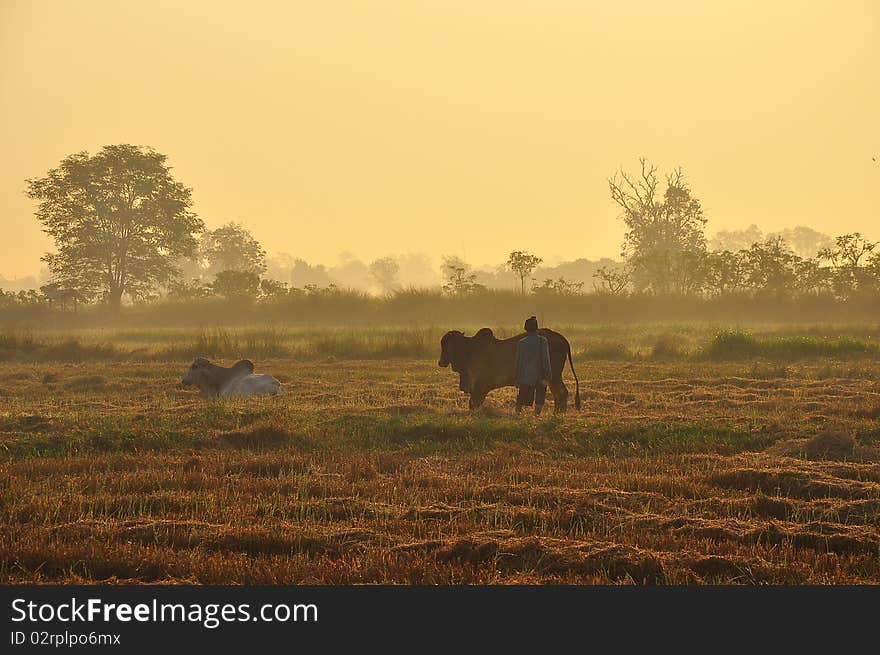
(197, 373)
(210, 378)
(452, 350)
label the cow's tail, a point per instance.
(577, 384)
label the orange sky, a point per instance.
(469, 127)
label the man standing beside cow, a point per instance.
(532, 367)
(484, 363)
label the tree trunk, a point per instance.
(114, 298)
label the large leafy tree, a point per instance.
(119, 221)
(236, 285)
(665, 239)
(232, 247)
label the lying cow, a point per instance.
(484, 363)
(237, 380)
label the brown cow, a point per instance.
(484, 363)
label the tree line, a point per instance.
(123, 227)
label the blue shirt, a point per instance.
(532, 360)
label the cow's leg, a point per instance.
(560, 395)
(478, 395)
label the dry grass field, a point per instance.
(677, 470)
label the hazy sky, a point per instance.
(472, 127)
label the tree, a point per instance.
(804, 241)
(689, 271)
(60, 297)
(303, 273)
(811, 278)
(384, 271)
(522, 263)
(459, 280)
(119, 221)
(771, 268)
(849, 258)
(872, 270)
(665, 237)
(273, 289)
(726, 272)
(736, 240)
(187, 290)
(560, 287)
(236, 285)
(232, 247)
(612, 281)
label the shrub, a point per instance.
(732, 344)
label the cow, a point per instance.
(237, 380)
(484, 363)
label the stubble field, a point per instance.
(678, 469)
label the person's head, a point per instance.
(531, 324)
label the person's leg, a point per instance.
(540, 398)
(525, 397)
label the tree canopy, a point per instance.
(232, 247)
(119, 221)
(665, 235)
(384, 271)
(523, 263)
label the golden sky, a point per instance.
(469, 127)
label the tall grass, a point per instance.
(24, 345)
(662, 342)
(345, 343)
(738, 344)
(431, 307)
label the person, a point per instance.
(532, 368)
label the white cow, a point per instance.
(238, 380)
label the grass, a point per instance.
(660, 341)
(684, 466)
(739, 344)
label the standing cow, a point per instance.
(485, 363)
